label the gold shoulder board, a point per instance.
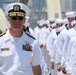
(2, 33)
(30, 35)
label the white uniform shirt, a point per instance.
(50, 41)
(71, 63)
(36, 32)
(70, 33)
(70, 55)
(73, 57)
(43, 35)
(61, 41)
(14, 58)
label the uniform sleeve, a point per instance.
(36, 54)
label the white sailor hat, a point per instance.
(70, 14)
(58, 21)
(27, 18)
(26, 22)
(47, 22)
(65, 21)
(38, 22)
(53, 25)
(73, 22)
(75, 14)
(52, 20)
(42, 20)
(42, 23)
(16, 9)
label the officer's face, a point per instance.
(16, 22)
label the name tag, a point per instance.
(4, 49)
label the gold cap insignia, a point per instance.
(16, 7)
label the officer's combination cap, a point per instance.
(17, 9)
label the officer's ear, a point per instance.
(8, 18)
(24, 20)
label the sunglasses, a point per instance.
(17, 17)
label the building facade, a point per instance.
(43, 9)
(67, 5)
(3, 3)
(53, 9)
(38, 11)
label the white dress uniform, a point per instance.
(37, 32)
(15, 57)
(70, 33)
(71, 63)
(73, 57)
(50, 43)
(50, 40)
(61, 42)
(42, 41)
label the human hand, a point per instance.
(41, 46)
(44, 46)
(58, 67)
(63, 70)
(67, 74)
(52, 66)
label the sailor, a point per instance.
(19, 51)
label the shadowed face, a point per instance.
(16, 22)
(71, 19)
(59, 25)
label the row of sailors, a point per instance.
(56, 38)
(58, 44)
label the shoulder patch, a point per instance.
(3, 33)
(30, 35)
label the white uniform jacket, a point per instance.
(70, 33)
(50, 41)
(17, 58)
(61, 42)
(70, 63)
